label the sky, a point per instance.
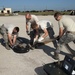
(25, 5)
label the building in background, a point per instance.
(6, 11)
(0, 11)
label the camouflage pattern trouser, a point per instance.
(65, 39)
(3, 32)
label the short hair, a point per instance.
(28, 14)
(17, 28)
(57, 14)
(33, 25)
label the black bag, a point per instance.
(21, 47)
(66, 67)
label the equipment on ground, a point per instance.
(66, 67)
(21, 46)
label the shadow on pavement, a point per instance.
(2, 42)
(46, 49)
(49, 50)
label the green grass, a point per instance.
(43, 13)
(37, 13)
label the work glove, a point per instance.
(28, 32)
(40, 39)
(35, 39)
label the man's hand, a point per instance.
(40, 39)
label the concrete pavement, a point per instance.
(30, 63)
